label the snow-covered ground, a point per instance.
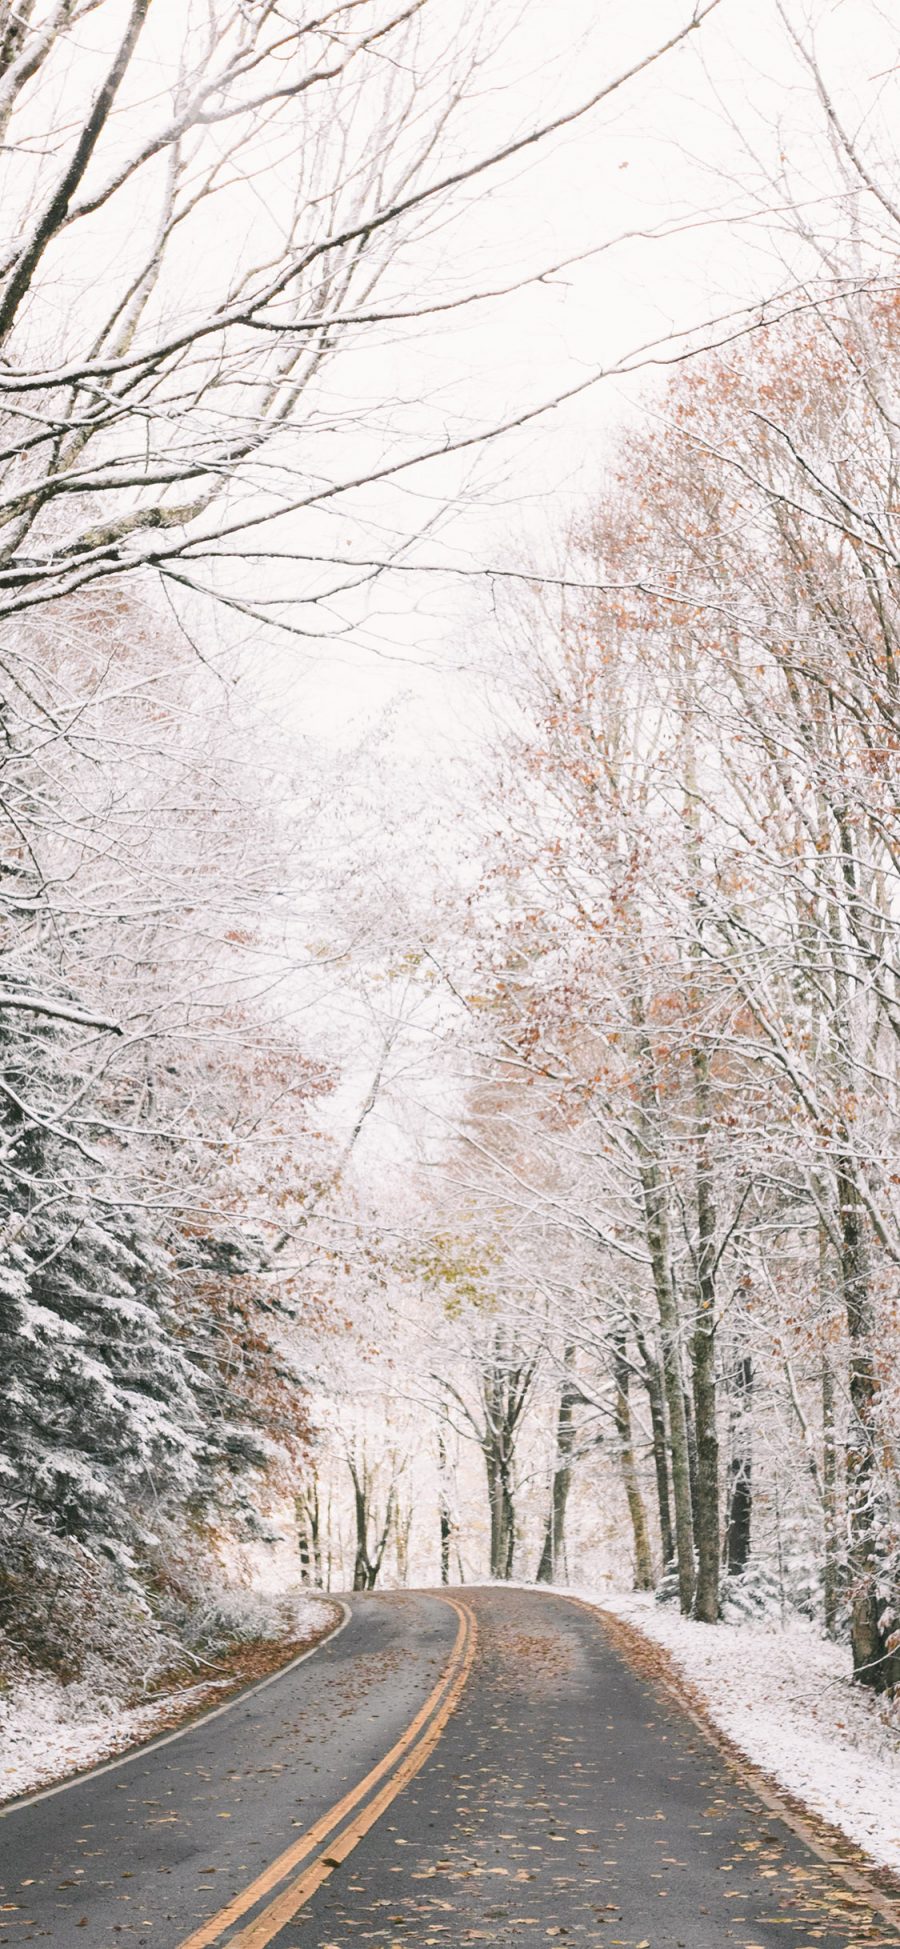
(787, 1699)
(49, 1730)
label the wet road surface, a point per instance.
(433, 1776)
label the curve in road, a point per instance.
(475, 1768)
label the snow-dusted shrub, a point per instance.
(66, 1610)
(756, 1593)
(118, 1630)
(667, 1589)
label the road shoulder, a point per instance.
(40, 1752)
(651, 1658)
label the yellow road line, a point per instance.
(286, 1905)
(440, 1702)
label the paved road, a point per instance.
(433, 1776)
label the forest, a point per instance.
(432, 1167)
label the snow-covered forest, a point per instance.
(447, 1133)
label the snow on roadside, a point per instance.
(49, 1730)
(787, 1699)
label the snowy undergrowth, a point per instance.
(787, 1699)
(49, 1729)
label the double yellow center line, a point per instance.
(329, 1841)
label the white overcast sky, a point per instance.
(677, 165)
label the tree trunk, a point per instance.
(873, 1663)
(706, 1597)
(366, 1566)
(657, 1403)
(361, 1515)
(503, 1402)
(553, 1551)
(643, 1562)
(831, 1582)
(446, 1534)
(375, 1561)
(692, 1459)
(309, 1545)
(655, 1204)
(509, 1520)
(740, 1469)
(658, 1246)
(446, 1519)
(493, 1408)
(501, 1508)
(402, 1528)
(304, 1555)
(832, 1579)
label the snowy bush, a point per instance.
(73, 1613)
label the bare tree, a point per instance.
(247, 217)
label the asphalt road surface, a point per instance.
(484, 1770)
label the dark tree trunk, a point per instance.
(553, 1550)
(661, 1464)
(361, 1514)
(367, 1564)
(657, 1402)
(402, 1528)
(508, 1544)
(503, 1530)
(643, 1563)
(446, 1519)
(740, 1469)
(506, 1384)
(692, 1461)
(656, 1219)
(309, 1546)
(832, 1580)
(873, 1662)
(706, 1596)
